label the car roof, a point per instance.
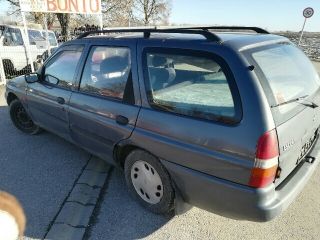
(236, 40)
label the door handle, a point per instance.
(122, 120)
(60, 100)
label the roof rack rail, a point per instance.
(255, 29)
(147, 32)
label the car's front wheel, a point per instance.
(149, 182)
(21, 119)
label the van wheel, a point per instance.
(21, 119)
(149, 182)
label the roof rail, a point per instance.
(255, 29)
(147, 32)
(204, 31)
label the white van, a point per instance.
(13, 50)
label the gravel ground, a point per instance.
(39, 170)
(122, 218)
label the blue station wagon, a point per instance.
(223, 118)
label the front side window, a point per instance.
(189, 84)
(61, 69)
(107, 71)
(12, 37)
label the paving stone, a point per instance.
(92, 178)
(65, 232)
(98, 165)
(75, 214)
(84, 194)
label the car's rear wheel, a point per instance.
(149, 182)
(21, 119)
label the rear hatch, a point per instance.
(291, 84)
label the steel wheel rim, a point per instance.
(22, 118)
(147, 182)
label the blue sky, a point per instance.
(270, 14)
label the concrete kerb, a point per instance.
(75, 214)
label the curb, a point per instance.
(75, 214)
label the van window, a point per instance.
(189, 84)
(34, 36)
(287, 74)
(12, 37)
(52, 38)
(107, 71)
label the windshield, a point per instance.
(34, 36)
(286, 75)
(289, 73)
(52, 38)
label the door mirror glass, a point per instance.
(51, 79)
(31, 78)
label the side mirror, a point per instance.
(31, 78)
(51, 79)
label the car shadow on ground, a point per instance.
(39, 170)
(121, 217)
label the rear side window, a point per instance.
(107, 71)
(190, 84)
(61, 69)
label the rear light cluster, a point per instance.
(266, 162)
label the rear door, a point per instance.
(104, 110)
(48, 100)
(286, 75)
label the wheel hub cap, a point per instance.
(147, 182)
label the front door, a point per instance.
(104, 110)
(48, 100)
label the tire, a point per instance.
(21, 119)
(149, 182)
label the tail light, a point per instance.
(266, 162)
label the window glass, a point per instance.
(34, 36)
(61, 69)
(13, 37)
(289, 73)
(52, 38)
(106, 71)
(190, 85)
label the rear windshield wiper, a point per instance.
(299, 99)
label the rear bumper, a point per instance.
(237, 201)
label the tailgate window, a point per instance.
(285, 74)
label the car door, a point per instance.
(105, 108)
(48, 99)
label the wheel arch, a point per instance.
(125, 147)
(11, 96)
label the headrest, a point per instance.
(158, 61)
(114, 64)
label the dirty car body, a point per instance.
(234, 122)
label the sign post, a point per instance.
(307, 13)
(29, 58)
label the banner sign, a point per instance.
(62, 6)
